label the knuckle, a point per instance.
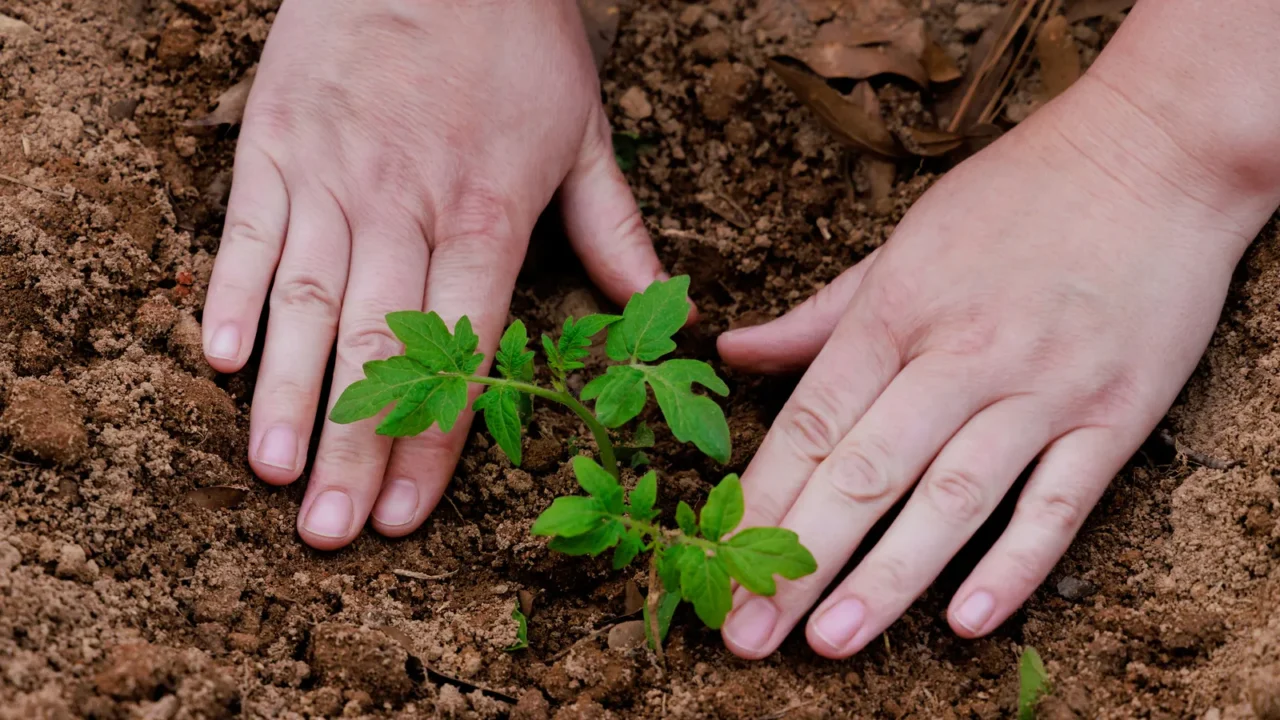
(891, 577)
(857, 471)
(812, 424)
(957, 495)
(305, 293)
(367, 340)
(346, 457)
(478, 215)
(242, 230)
(1055, 511)
(1023, 569)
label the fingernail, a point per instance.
(330, 514)
(840, 622)
(398, 504)
(751, 626)
(279, 448)
(225, 343)
(974, 612)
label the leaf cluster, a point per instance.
(694, 563)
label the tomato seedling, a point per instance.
(693, 562)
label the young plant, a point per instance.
(428, 386)
(1033, 682)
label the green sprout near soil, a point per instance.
(696, 560)
(1033, 682)
(522, 629)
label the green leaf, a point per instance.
(686, 520)
(592, 543)
(435, 399)
(570, 516)
(649, 321)
(501, 408)
(427, 340)
(1033, 682)
(723, 510)
(575, 341)
(637, 459)
(756, 554)
(385, 382)
(598, 483)
(514, 359)
(552, 352)
(630, 546)
(643, 437)
(691, 417)
(667, 605)
(644, 497)
(522, 630)
(619, 394)
(704, 581)
(669, 563)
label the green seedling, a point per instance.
(428, 386)
(1033, 682)
(522, 629)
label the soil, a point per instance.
(145, 573)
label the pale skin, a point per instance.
(1047, 299)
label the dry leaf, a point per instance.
(218, 497)
(1059, 59)
(879, 173)
(841, 32)
(833, 60)
(230, 104)
(601, 19)
(940, 66)
(626, 635)
(525, 599)
(1078, 10)
(633, 601)
(930, 143)
(849, 123)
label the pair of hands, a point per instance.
(1046, 299)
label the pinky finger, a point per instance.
(1072, 474)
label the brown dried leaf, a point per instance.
(231, 104)
(849, 123)
(1078, 10)
(833, 60)
(218, 497)
(1059, 59)
(601, 20)
(633, 601)
(940, 66)
(844, 33)
(525, 599)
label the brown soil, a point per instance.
(123, 593)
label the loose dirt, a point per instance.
(126, 593)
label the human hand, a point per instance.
(1046, 299)
(396, 156)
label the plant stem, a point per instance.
(653, 601)
(661, 534)
(598, 430)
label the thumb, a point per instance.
(792, 341)
(603, 221)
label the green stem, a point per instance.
(598, 430)
(662, 534)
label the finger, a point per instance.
(961, 488)
(305, 301)
(388, 273)
(477, 256)
(252, 241)
(863, 477)
(603, 222)
(792, 341)
(844, 380)
(1071, 476)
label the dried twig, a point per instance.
(422, 576)
(1016, 68)
(37, 188)
(1015, 16)
(786, 711)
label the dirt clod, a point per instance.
(45, 420)
(360, 659)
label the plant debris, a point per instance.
(231, 104)
(1078, 10)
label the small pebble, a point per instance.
(634, 103)
(1073, 588)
